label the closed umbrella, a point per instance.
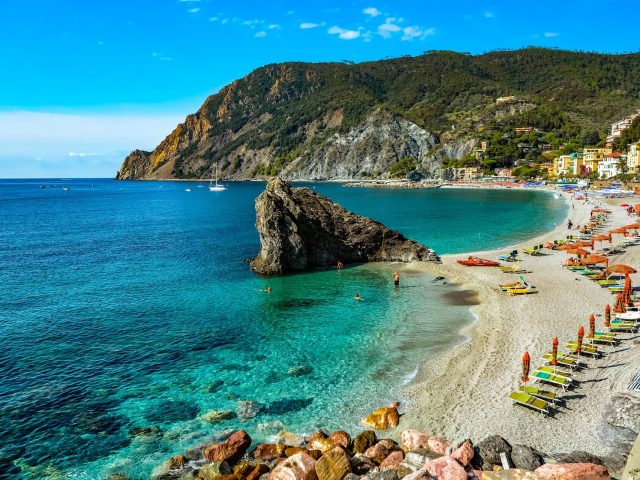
(554, 353)
(592, 326)
(626, 292)
(580, 337)
(619, 306)
(526, 363)
(607, 316)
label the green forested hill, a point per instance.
(341, 120)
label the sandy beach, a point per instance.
(464, 394)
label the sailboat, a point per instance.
(217, 187)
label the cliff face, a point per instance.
(301, 230)
(339, 121)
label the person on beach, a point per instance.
(357, 297)
(396, 279)
(340, 265)
(569, 224)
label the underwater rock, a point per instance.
(248, 409)
(171, 411)
(299, 371)
(217, 416)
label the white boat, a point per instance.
(66, 189)
(187, 189)
(217, 187)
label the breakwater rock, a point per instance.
(301, 230)
(338, 456)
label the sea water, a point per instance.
(127, 305)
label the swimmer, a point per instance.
(267, 290)
(357, 297)
(396, 279)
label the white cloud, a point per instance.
(159, 56)
(273, 26)
(193, 10)
(261, 34)
(372, 11)
(307, 25)
(82, 154)
(410, 33)
(551, 34)
(343, 33)
(488, 15)
(388, 28)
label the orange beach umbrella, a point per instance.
(619, 305)
(626, 292)
(554, 352)
(581, 252)
(580, 337)
(621, 268)
(526, 363)
(566, 246)
(592, 326)
(593, 259)
(607, 316)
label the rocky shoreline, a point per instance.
(413, 455)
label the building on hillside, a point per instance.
(484, 145)
(619, 127)
(610, 166)
(545, 147)
(524, 146)
(504, 172)
(548, 166)
(523, 130)
(568, 165)
(591, 156)
(465, 174)
(633, 158)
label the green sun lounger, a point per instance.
(551, 379)
(586, 349)
(607, 283)
(530, 401)
(554, 371)
(562, 361)
(607, 338)
(622, 327)
(535, 250)
(545, 395)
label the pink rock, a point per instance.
(300, 466)
(438, 444)
(572, 471)
(421, 474)
(393, 460)
(446, 468)
(413, 440)
(464, 453)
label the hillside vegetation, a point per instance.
(339, 120)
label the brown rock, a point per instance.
(382, 419)
(497, 468)
(446, 468)
(317, 434)
(289, 438)
(340, 438)
(333, 465)
(177, 462)
(300, 466)
(364, 440)
(438, 444)
(572, 471)
(269, 451)
(243, 468)
(231, 450)
(293, 450)
(413, 439)
(464, 453)
(381, 450)
(322, 444)
(393, 460)
(258, 471)
(316, 454)
(214, 470)
(233, 476)
(361, 464)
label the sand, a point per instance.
(464, 394)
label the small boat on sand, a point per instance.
(478, 262)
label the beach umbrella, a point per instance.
(626, 292)
(607, 316)
(581, 252)
(592, 326)
(619, 305)
(602, 238)
(554, 352)
(526, 363)
(566, 246)
(594, 259)
(622, 269)
(583, 244)
(580, 337)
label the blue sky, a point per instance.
(84, 82)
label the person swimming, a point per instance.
(357, 297)
(267, 290)
(396, 279)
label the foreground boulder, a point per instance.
(301, 230)
(230, 450)
(572, 471)
(300, 466)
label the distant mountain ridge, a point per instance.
(340, 120)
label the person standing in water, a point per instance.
(340, 265)
(396, 279)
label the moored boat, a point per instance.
(478, 262)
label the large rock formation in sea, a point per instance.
(385, 118)
(301, 230)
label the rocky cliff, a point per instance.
(301, 230)
(343, 120)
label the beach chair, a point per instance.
(535, 250)
(509, 257)
(524, 290)
(505, 287)
(591, 350)
(554, 371)
(562, 361)
(607, 283)
(606, 338)
(555, 380)
(530, 401)
(628, 327)
(545, 395)
(512, 268)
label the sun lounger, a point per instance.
(511, 268)
(545, 395)
(535, 250)
(530, 401)
(562, 361)
(604, 338)
(607, 283)
(629, 327)
(554, 371)
(556, 380)
(592, 350)
(522, 291)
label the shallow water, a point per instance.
(127, 304)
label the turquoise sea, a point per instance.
(128, 304)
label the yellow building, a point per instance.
(567, 165)
(592, 156)
(633, 158)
